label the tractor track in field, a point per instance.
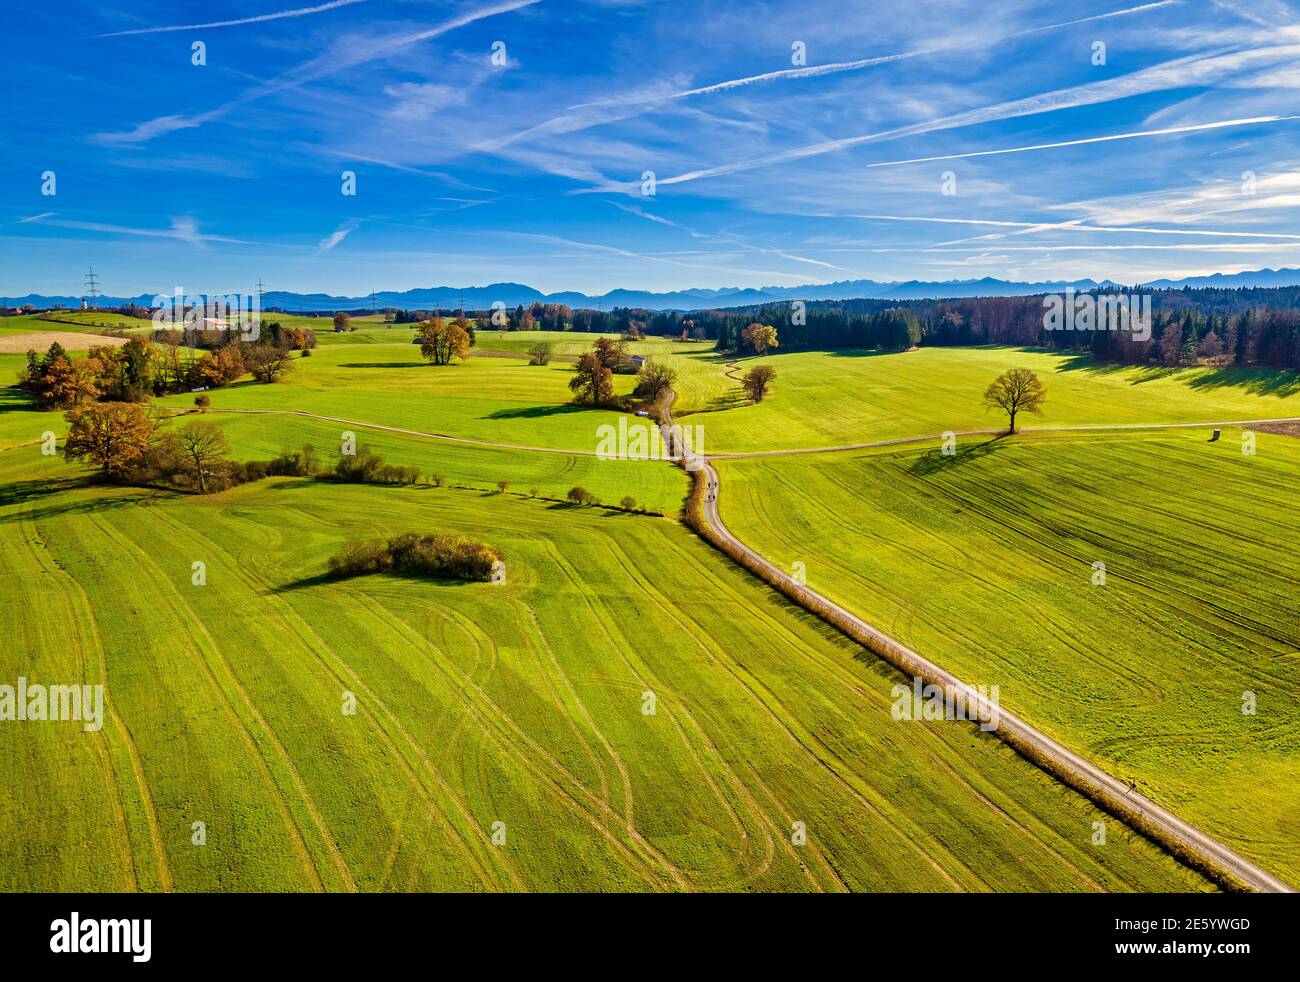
(1192, 846)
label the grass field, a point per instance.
(498, 399)
(519, 703)
(72, 320)
(984, 562)
(822, 399)
(522, 703)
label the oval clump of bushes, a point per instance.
(451, 557)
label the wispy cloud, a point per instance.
(184, 229)
(587, 114)
(351, 55)
(1190, 71)
(337, 236)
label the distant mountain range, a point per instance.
(514, 294)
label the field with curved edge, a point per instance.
(498, 399)
(984, 561)
(477, 704)
(832, 398)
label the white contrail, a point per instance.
(849, 66)
(1091, 139)
(1073, 226)
(723, 237)
(297, 12)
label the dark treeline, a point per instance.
(1228, 327)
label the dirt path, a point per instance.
(1141, 813)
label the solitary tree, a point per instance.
(201, 445)
(760, 337)
(342, 321)
(269, 363)
(593, 383)
(1015, 391)
(540, 353)
(756, 381)
(441, 341)
(654, 379)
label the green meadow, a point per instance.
(522, 703)
(832, 398)
(503, 400)
(513, 711)
(984, 562)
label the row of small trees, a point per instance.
(128, 443)
(140, 369)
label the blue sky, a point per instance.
(767, 171)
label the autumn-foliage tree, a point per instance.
(65, 381)
(593, 382)
(466, 325)
(579, 495)
(441, 341)
(111, 435)
(1016, 391)
(760, 337)
(612, 354)
(756, 381)
(342, 321)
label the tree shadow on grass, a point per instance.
(17, 401)
(323, 579)
(933, 461)
(79, 507)
(20, 492)
(535, 412)
(1079, 361)
(1255, 381)
(385, 364)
